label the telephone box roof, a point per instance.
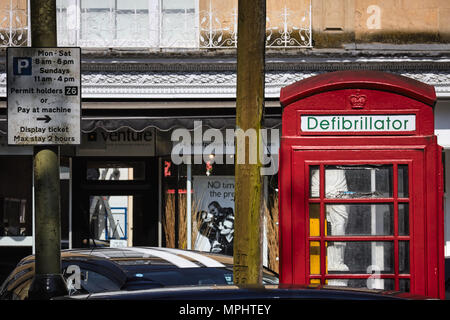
(358, 79)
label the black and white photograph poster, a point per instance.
(214, 213)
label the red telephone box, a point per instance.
(360, 184)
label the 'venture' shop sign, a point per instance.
(358, 123)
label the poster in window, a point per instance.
(213, 212)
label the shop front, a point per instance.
(161, 182)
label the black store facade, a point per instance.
(120, 184)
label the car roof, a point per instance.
(233, 292)
(152, 255)
(146, 255)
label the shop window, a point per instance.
(115, 170)
(109, 216)
(15, 197)
(212, 208)
(14, 217)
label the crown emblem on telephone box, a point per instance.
(357, 100)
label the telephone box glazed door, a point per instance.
(358, 221)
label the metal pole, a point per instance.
(160, 201)
(247, 247)
(48, 281)
(189, 206)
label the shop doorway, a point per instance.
(114, 199)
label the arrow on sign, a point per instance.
(46, 118)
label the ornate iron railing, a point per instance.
(13, 23)
(291, 28)
(199, 24)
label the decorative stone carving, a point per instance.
(222, 83)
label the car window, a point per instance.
(81, 278)
(140, 276)
(17, 284)
(179, 276)
(269, 279)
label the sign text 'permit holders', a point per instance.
(44, 96)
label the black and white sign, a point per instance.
(44, 96)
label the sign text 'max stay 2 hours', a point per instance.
(44, 96)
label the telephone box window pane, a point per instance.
(403, 219)
(370, 283)
(404, 285)
(403, 259)
(314, 257)
(359, 181)
(360, 219)
(403, 189)
(314, 177)
(358, 257)
(314, 218)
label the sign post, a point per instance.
(44, 110)
(32, 86)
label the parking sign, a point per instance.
(22, 66)
(44, 96)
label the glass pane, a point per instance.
(178, 28)
(114, 170)
(360, 257)
(314, 257)
(314, 219)
(404, 285)
(178, 4)
(403, 189)
(359, 219)
(89, 281)
(403, 219)
(132, 20)
(133, 25)
(109, 216)
(132, 5)
(360, 181)
(371, 283)
(314, 177)
(95, 4)
(403, 259)
(97, 20)
(13, 217)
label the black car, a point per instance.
(105, 269)
(274, 292)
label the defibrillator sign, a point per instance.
(358, 123)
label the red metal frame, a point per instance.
(328, 94)
(322, 158)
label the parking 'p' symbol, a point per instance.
(22, 66)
